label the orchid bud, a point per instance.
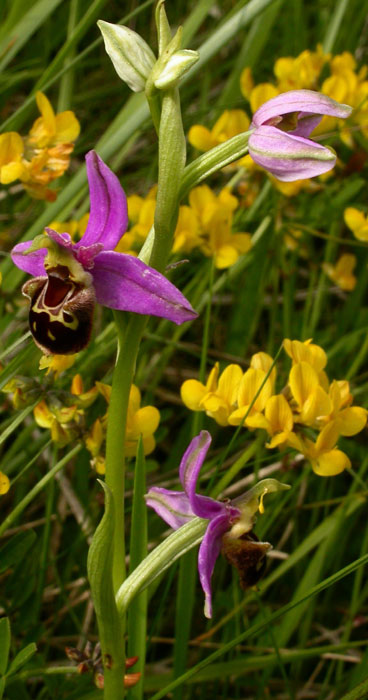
(132, 58)
(177, 65)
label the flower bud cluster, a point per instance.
(309, 402)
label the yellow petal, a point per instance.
(95, 438)
(261, 360)
(303, 379)
(67, 127)
(134, 398)
(200, 138)
(11, 147)
(327, 438)
(47, 112)
(354, 219)
(317, 405)
(11, 172)
(249, 386)
(4, 484)
(261, 93)
(229, 383)
(211, 383)
(279, 414)
(43, 415)
(77, 385)
(331, 463)
(351, 420)
(192, 392)
(225, 257)
(146, 421)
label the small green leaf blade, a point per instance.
(22, 657)
(4, 643)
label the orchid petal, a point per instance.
(289, 157)
(304, 101)
(33, 262)
(189, 469)
(62, 239)
(208, 552)
(108, 218)
(171, 506)
(126, 283)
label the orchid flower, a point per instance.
(230, 522)
(69, 277)
(282, 125)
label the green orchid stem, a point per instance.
(129, 337)
(158, 560)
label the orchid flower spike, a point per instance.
(68, 278)
(282, 125)
(230, 522)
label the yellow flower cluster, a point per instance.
(205, 224)
(309, 402)
(67, 422)
(345, 83)
(43, 155)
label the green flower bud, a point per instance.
(132, 58)
(176, 66)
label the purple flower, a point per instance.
(69, 277)
(280, 143)
(230, 524)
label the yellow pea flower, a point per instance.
(312, 401)
(217, 397)
(50, 128)
(342, 272)
(325, 459)
(146, 214)
(58, 421)
(357, 222)
(140, 422)
(95, 438)
(348, 419)
(246, 82)
(4, 484)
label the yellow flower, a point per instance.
(357, 222)
(50, 128)
(140, 422)
(342, 272)
(348, 419)
(145, 219)
(95, 439)
(4, 484)
(246, 82)
(230, 123)
(312, 401)
(60, 422)
(214, 214)
(325, 459)
(56, 363)
(217, 397)
(11, 152)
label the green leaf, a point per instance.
(99, 567)
(15, 549)
(2, 686)
(4, 644)
(22, 657)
